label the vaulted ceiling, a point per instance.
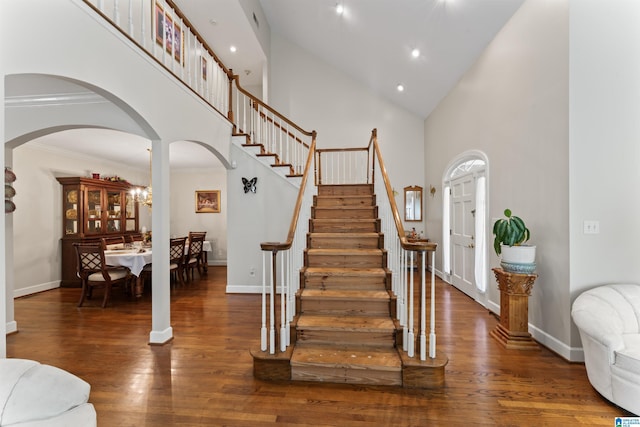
(371, 41)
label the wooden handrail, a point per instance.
(272, 110)
(280, 246)
(179, 13)
(279, 126)
(404, 241)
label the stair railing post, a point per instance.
(263, 329)
(283, 310)
(432, 320)
(230, 112)
(423, 308)
(410, 334)
(272, 306)
(404, 283)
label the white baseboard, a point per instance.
(12, 327)
(36, 288)
(217, 262)
(247, 289)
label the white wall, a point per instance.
(143, 90)
(604, 142)
(343, 111)
(263, 216)
(513, 105)
(38, 216)
(183, 214)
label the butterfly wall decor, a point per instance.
(250, 184)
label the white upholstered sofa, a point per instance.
(608, 318)
(37, 395)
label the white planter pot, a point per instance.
(523, 254)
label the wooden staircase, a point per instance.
(345, 329)
(344, 332)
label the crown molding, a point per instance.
(54, 99)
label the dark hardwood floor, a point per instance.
(204, 376)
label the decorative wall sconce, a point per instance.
(432, 190)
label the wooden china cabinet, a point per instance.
(92, 209)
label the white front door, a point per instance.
(463, 204)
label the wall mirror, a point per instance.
(413, 203)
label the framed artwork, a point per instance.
(207, 201)
(168, 31)
(204, 68)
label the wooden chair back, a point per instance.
(113, 242)
(94, 272)
(135, 237)
(176, 250)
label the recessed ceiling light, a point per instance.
(415, 52)
(233, 49)
(339, 8)
(400, 87)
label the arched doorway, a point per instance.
(464, 224)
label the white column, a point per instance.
(4, 289)
(161, 330)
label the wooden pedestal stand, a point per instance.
(513, 330)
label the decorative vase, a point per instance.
(518, 259)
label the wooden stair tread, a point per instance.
(344, 251)
(365, 295)
(342, 220)
(345, 271)
(344, 235)
(346, 323)
(344, 207)
(361, 357)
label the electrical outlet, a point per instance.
(591, 227)
(252, 271)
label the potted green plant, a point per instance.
(510, 234)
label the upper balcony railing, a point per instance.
(159, 28)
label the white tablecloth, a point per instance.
(135, 260)
(130, 258)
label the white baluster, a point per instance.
(405, 321)
(423, 309)
(283, 308)
(130, 19)
(263, 330)
(143, 27)
(116, 12)
(272, 314)
(410, 335)
(432, 320)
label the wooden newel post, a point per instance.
(513, 330)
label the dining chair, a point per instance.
(203, 257)
(194, 258)
(113, 242)
(93, 271)
(135, 237)
(176, 259)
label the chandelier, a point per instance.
(144, 195)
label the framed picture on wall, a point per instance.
(207, 201)
(168, 31)
(204, 68)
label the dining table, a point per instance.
(136, 257)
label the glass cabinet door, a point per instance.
(130, 213)
(114, 211)
(70, 202)
(94, 211)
